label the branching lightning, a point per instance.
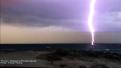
(90, 20)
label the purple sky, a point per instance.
(65, 13)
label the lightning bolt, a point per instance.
(90, 20)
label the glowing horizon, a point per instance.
(90, 20)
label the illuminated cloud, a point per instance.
(108, 22)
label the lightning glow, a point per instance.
(90, 20)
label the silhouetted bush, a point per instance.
(82, 66)
(99, 66)
(62, 65)
(52, 58)
(41, 57)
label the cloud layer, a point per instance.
(71, 14)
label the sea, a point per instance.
(116, 48)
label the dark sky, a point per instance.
(65, 13)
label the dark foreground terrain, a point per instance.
(61, 58)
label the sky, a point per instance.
(58, 21)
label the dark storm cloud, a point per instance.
(43, 9)
(68, 13)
